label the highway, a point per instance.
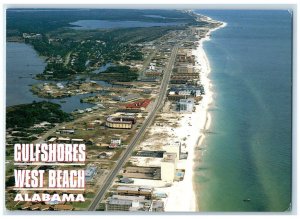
(135, 140)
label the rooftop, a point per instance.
(121, 119)
(189, 100)
(89, 172)
(63, 139)
(63, 207)
(134, 188)
(138, 104)
(114, 201)
(126, 197)
(169, 157)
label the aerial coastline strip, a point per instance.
(205, 69)
(192, 128)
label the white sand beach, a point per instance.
(189, 130)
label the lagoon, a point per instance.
(22, 64)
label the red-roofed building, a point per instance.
(143, 104)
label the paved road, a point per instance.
(123, 158)
(147, 62)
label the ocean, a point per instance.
(246, 160)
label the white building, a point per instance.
(184, 92)
(168, 167)
(174, 147)
(198, 93)
(60, 85)
(186, 105)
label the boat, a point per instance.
(247, 200)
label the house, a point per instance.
(152, 73)
(45, 207)
(77, 141)
(60, 85)
(63, 140)
(152, 67)
(88, 110)
(97, 122)
(90, 126)
(89, 142)
(67, 131)
(90, 172)
(52, 140)
(63, 208)
(35, 207)
(95, 107)
(26, 205)
(115, 142)
(126, 180)
(158, 206)
(103, 155)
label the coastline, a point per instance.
(189, 129)
(205, 69)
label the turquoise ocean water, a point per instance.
(248, 152)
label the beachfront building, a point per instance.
(185, 55)
(185, 105)
(168, 167)
(185, 78)
(186, 90)
(173, 147)
(127, 203)
(135, 191)
(184, 69)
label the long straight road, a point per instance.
(125, 155)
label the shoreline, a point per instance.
(189, 129)
(205, 70)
